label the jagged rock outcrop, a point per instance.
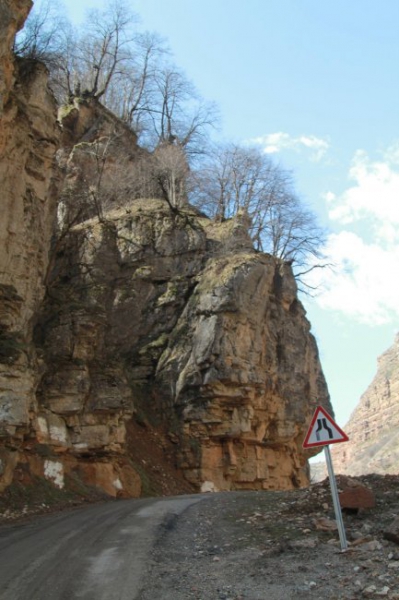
(239, 364)
(115, 307)
(373, 428)
(172, 315)
(12, 17)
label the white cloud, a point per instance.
(364, 283)
(374, 195)
(277, 142)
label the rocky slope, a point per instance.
(373, 426)
(278, 545)
(114, 307)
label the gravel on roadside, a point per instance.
(276, 546)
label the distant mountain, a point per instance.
(373, 427)
(318, 470)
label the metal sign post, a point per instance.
(324, 431)
(334, 493)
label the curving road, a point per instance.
(96, 553)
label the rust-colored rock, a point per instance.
(12, 17)
(203, 339)
(115, 480)
(357, 497)
(232, 378)
(29, 138)
(373, 445)
(136, 308)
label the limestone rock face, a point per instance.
(115, 308)
(12, 17)
(242, 366)
(28, 141)
(148, 311)
(373, 428)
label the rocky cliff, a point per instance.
(373, 426)
(29, 138)
(170, 315)
(116, 310)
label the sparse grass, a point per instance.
(22, 499)
(39, 492)
(149, 485)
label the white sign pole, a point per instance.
(334, 493)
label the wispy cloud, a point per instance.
(374, 195)
(364, 283)
(277, 142)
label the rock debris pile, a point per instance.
(278, 545)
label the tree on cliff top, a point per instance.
(131, 72)
(237, 178)
(43, 35)
(104, 51)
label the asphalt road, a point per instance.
(96, 553)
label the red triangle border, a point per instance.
(306, 443)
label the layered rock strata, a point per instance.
(29, 137)
(373, 428)
(114, 307)
(239, 365)
(171, 315)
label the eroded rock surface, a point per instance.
(373, 426)
(12, 17)
(239, 364)
(115, 307)
(28, 141)
(148, 312)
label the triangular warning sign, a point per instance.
(323, 430)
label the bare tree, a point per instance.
(85, 61)
(104, 47)
(102, 176)
(292, 234)
(42, 37)
(132, 96)
(178, 113)
(237, 179)
(170, 173)
(109, 59)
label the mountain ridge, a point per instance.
(373, 425)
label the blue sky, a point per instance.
(315, 84)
